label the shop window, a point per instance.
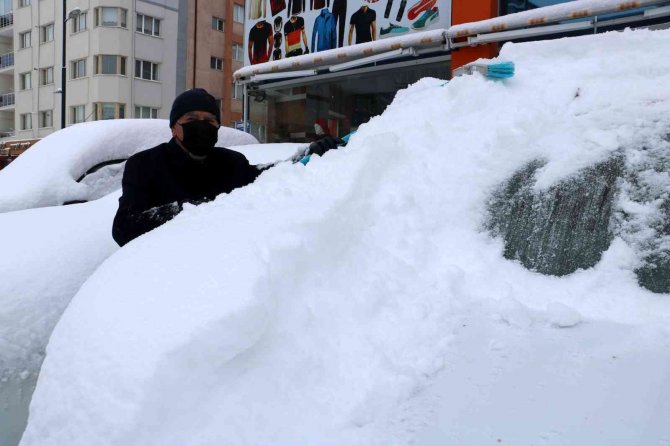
(148, 25)
(238, 91)
(109, 110)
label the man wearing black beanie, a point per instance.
(187, 169)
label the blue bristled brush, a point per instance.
(493, 70)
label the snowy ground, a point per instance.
(357, 300)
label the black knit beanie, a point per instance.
(196, 99)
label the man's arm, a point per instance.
(135, 215)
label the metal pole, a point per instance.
(62, 72)
(245, 108)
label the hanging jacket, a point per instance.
(324, 31)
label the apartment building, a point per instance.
(121, 62)
(214, 50)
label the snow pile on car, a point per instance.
(47, 173)
(328, 304)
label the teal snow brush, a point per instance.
(490, 69)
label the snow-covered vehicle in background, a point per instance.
(375, 297)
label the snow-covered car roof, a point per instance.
(50, 172)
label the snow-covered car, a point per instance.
(365, 299)
(47, 251)
(85, 161)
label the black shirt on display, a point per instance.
(362, 19)
(259, 35)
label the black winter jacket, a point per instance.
(156, 182)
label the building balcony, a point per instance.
(6, 61)
(7, 24)
(7, 101)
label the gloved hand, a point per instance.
(323, 145)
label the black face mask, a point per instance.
(199, 137)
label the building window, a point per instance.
(217, 24)
(216, 63)
(238, 53)
(148, 25)
(23, 3)
(26, 121)
(146, 70)
(110, 64)
(113, 17)
(78, 114)
(109, 110)
(25, 80)
(47, 33)
(238, 91)
(78, 68)
(142, 112)
(46, 119)
(47, 76)
(79, 23)
(238, 13)
(25, 39)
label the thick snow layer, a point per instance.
(47, 173)
(358, 301)
(45, 256)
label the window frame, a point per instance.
(44, 35)
(73, 68)
(121, 65)
(73, 113)
(154, 70)
(25, 40)
(25, 80)
(216, 63)
(238, 13)
(42, 121)
(44, 78)
(218, 24)
(119, 110)
(152, 111)
(142, 28)
(26, 121)
(77, 23)
(121, 17)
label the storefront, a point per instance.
(294, 80)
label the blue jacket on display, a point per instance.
(324, 32)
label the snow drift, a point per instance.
(345, 302)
